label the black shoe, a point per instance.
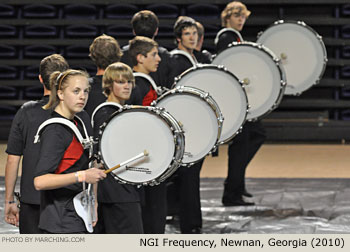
(247, 194)
(237, 202)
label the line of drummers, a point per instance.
(174, 107)
(205, 106)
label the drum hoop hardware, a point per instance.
(221, 67)
(178, 137)
(196, 92)
(275, 59)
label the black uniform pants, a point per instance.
(119, 218)
(154, 208)
(241, 151)
(189, 197)
(29, 215)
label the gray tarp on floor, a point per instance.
(294, 206)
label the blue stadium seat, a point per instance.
(115, 11)
(345, 52)
(202, 11)
(210, 31)
(345, 10)
(77, 51)
(345, 72)
(7, 11)
(8, 52)
(38, 51)
(8, 72)
(33, 92)
(7, 92)
(165, 31)
(345, 115)
(164, 10)
(40, 11)
(345, 31)
(345, 93)
(40, 31)
(80, 11)
(83, 30)
(119, 31)
(90, 69)
(7, 112)
(8, 31)
(31, 72)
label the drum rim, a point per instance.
(206, 97)
(224, 69)
(276, 60)
(178, 135)
(318, 37)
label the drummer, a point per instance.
(145, 23)
(233, 18)
(245, 145)
(104, 50)
(62, 162)
(187, 179)
(119, 208)
(145, 59)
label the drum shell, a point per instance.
(203, 98)
(301, 50)
(225, 88)
(243, 68)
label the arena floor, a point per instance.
(297, 189)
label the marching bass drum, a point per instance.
(302, 52)
(133, 129)
(261, 73)
(200, 118)
(225, 89)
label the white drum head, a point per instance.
(198, 119)
(302, 53)
(130, 133)
(225, 89)
(259, 69)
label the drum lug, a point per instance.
(301, 23)
(205, 96)
(279, 22)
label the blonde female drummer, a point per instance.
(63, 162)
(119, 210)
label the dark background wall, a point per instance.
(31, 30)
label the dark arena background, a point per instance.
(299, 178)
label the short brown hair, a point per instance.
(50, 64)
(116, 71)
(200, 30)
(145, 23)
(181, 23)
(230, 9)
(140, 45)
(104, 51)
(58, 81)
